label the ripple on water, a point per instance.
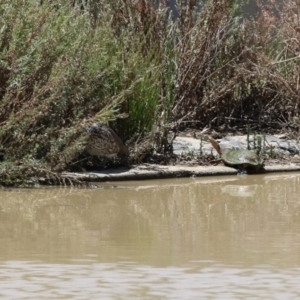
(28, 280)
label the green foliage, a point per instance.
(59, 67)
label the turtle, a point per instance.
(243, 160)
(105, 142)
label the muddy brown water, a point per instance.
(209, 238)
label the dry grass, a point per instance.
(232, 70)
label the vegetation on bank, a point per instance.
(132, 64)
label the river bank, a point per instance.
(282, 155)
(132, 65)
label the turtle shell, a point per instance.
(244, 158)
(104, 141)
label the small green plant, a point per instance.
(201, 145)
(191, 154)
(248, 136)
(259, 145)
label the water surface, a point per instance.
(208, 238)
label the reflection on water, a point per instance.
(221, 237)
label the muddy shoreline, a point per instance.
(143, 172)
(188, 149)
